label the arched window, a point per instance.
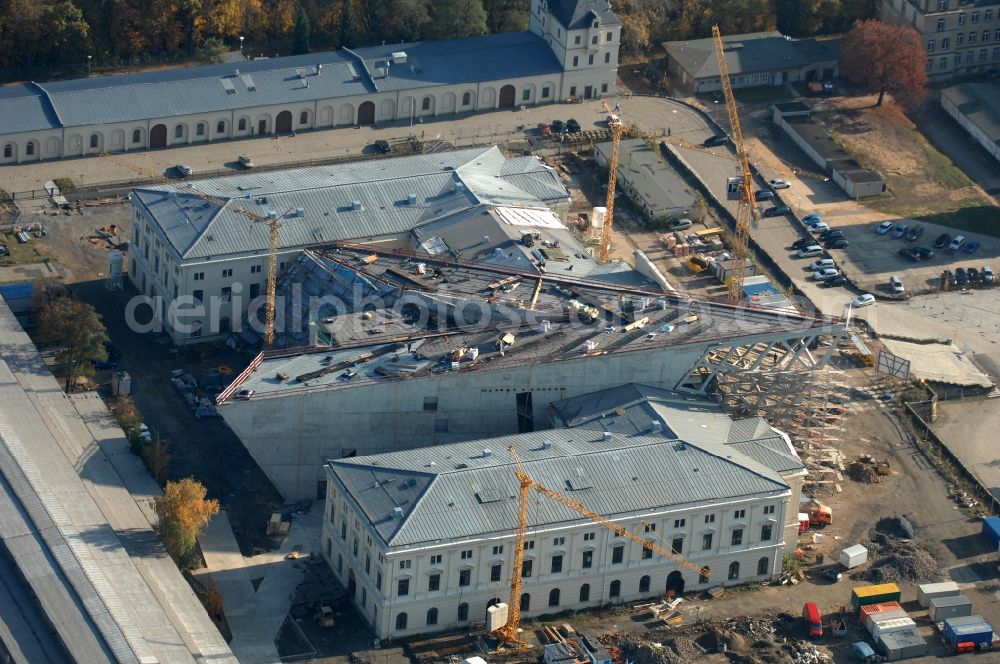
(463, 612)
(762, 565)
(706, 574)
(525, 602)
(401, 621)
(426, 104)
(554, 597)
(29, 149)
(136, 135)
(243, 124)
(220, 127)
(94, 140)
(644, 584)
(432, 616)
(8, 151)
(304, 117)
(179, 131)
(616, 589)
(200, 129)
(466, 99)
(734, 570)
(585, 592)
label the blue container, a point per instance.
(962, 630)
(991, 529)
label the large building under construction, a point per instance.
(408, 352)
(424, 539)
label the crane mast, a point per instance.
(747, 207)
(616, 127)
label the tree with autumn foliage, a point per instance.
(183, 511)
(885, 58)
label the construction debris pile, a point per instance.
(896, 556)
(673, 650)
(864, 473)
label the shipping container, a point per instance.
(885, 616)
(867, 612)
(812, 619)
(853, 556)
(902, 645)
(942, 608)
(883, 592)
(991, 529)
(882, 627)
(970, 629)
(928, 591)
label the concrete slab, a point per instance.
(942, 363)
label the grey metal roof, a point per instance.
(655, 182)
(205, 89)
(980, 102)
(577, 14)
(750, 53)
(452, 492)
(444, 183)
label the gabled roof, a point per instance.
(578, 14)
(469, 490)
(749, 53)
(444, 183)
(267, 81)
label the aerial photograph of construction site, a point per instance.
(538, 332)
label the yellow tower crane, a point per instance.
(273, 223)
(508, 634)
(746, 210)
(616, 127)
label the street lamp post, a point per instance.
(89, 58)
(241, 47)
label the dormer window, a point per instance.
(597, 24)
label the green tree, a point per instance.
(67, 35)
(78, 328)
(212, 50)
(300, 38)
(506, 15)
(184, 512)
(348, 26)
(454, 19)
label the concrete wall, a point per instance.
(376, 590)
(803, 145)
(973, 130)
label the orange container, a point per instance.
(873, 609)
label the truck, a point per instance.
(819, 514)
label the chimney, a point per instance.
(411, 199)
(656, 425)
(546, 444)
(487, 452)
(606, 435)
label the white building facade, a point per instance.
(571, 50)
(407, 578)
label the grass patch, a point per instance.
(972, 215)
(23, 254)
(941, 169)
(66, 185)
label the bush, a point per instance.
(66, 185)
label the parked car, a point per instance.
(713, 141)
(956, 242)
(572, 126)
(824, 274)
(884, 227)
(557, 126)
(184, 170)
(832, 574)
(804, 242)
(900, 230)
(763, 195)
(243, 395)
(895, 284)
(821, 263)
(973, 275)
(971, 247)
(831, 234)
(909, 253)
(383, 146)
(544, 129)
(246, 161)
(811, 218)
(838, 280)
(987, 274)
(942, 241)
(777, 211)
(837, 243)
(811, 251)
(863, 300)
(925, 253)
(915, 233)
(961, 276)
(778, 183)
(680, 224)
(818, 227)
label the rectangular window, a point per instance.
(972, 37)
(959, 39)
(529, 544)
(677, 545)
(609, 36)
(588, 559)
(430, 404)
(986, 35)
(254, 290)
(940, 25)
(577, 40)
(930, 46)
(968, 57)
(975, 17)
(706, 541)
(576, 61)
(928, 65)
(593, 40)
(617, 555)
(588, 537)
(433, 582)
(982, 55)
(255, 269)
(943, 64)
(556, 564)
(404, 564)
(465, 577)
(709, 518)
(737, 537)
(942, 5)
(436, 560)
(441, 425)
(545, 92)
(227, 293)
(961, 19)
(604, 88)
(572, 91)
(497, 550)
(945, 44)
(650, 527)
(495, 573)
(467, 554)
(590, 59)
(404, 588)
(988, 16)
(679, 523)
(607, 57)
(740, 514)
(765, 532)
(996, 56)
(647, 553)
(526, 569)
(559, 541)
(368, 564)
(199, 276)
(227, 272)
(768, 509)
(198, 295)
(526, 94)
